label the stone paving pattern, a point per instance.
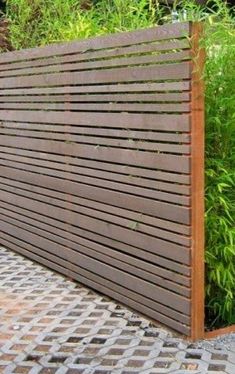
(49, 324)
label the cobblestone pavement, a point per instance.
(49, 324)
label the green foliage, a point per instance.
(39, 22)
(219, 76)
(220, 173)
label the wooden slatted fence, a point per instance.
(101, 166)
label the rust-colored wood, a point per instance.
(93, 250)
(198, 259)
(146, 224)
(218, 332)
(91, 209)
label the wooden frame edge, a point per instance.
(197, 183)
(219, 332)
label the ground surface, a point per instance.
(51, 325)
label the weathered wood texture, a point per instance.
(96, 169)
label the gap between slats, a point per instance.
(91, 249)
(147, 289)
(61, 230)
(163, 210)
(96, 173)
(107, 225)
(127, 170)
(123, 217)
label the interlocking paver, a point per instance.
(51, 325)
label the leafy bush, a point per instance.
(39, 22)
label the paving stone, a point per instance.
(51, 325)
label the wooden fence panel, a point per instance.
(96, 170)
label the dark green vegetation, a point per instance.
(2, 5)
(220, 171)
(40, 22)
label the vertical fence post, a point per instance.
(197, 182)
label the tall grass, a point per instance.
(39, 22)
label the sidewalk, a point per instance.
(51, 325)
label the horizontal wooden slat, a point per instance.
(116, 155)
(18, 128)
(22, 162)
(120, 277)
(162, 122)
(159, 209)
(93, 250)
(79, 139)
(112, 185)
(135, 97)
(179, 272)
(157, 175)
(101, 54)
(60, 230)
(171, 231)
(98, 107)
(128, 87)
(117, 40)
(144, 224)
(127, 297)
(132, 237)
(128, 74)
(58, 259)
(98, 64)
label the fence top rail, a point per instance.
(154, 34)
